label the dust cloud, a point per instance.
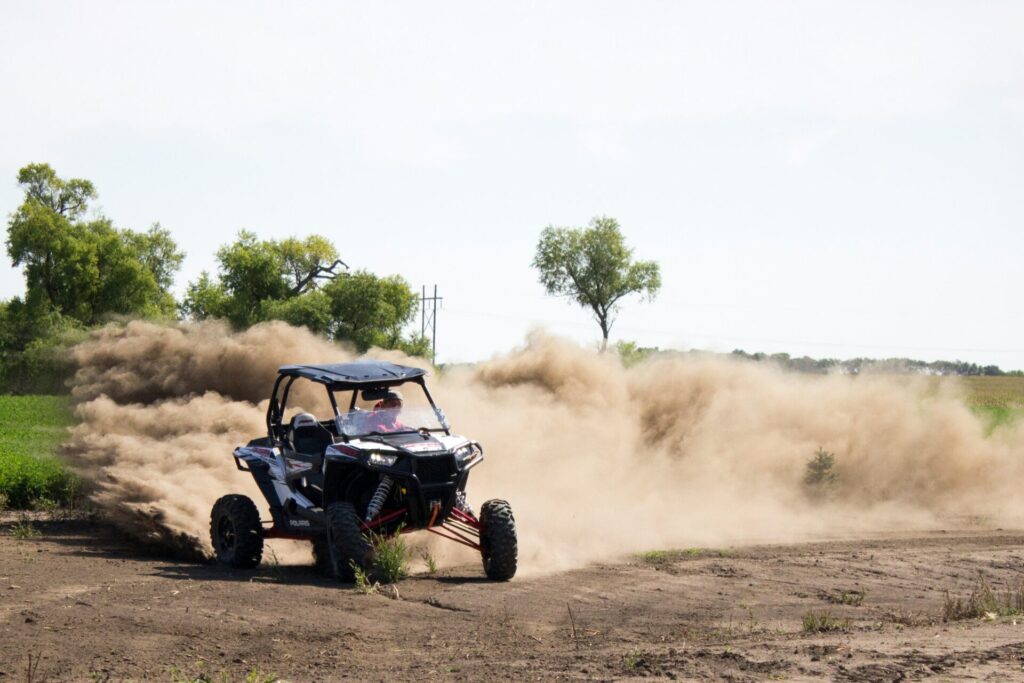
(596, 460)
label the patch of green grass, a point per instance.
(257, 676)
(823, 622)
(985, 602)
(997, 416)
(31, 429)
(633, 659)
(667, 556)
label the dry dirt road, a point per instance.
(89, 606)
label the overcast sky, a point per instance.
(832, 179)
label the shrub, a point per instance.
(819, 476)
(391, 558)
(983, 601)
(821, 622)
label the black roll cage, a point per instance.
(275, 411)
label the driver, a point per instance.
(386, 412)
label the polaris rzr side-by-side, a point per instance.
(366, 473)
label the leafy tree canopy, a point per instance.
(593, 267)
(298, 281)
(85, 269)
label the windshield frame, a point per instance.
(442, 420)
(276, 410)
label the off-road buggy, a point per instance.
(364, 474)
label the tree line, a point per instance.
(855, 366)
(81, 270)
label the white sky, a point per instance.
(835, 179)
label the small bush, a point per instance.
(24, 530)
(821, 622)
(391, 558)
(819, 476)
(983, 601)
(634, 659)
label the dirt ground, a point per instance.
(89, 606)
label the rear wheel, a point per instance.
(345, 543)
(498, 544)
(235, 531)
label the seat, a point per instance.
(309, 436)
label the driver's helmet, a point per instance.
(392, 400)
(304, 420)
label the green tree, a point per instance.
(158, 252)
(206, 298)
(257, 276)
(370, 310)
(312, 310)
(297, 280)
(85, 269)
(593, 267)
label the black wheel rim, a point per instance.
(225, 535)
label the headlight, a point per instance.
(467, 452)
(381, 460)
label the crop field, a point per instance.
(995, 392)
(1000, 400)
(31, 428)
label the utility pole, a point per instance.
(428, 320)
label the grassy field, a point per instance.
(998, 399)
(31, 428)
(994, 392)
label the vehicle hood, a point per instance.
(412, 443)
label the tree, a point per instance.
(85, 269)
(297, 280)
(255, 274)
(594, 268)
(67, 198)
(305, 261)
(370, 310)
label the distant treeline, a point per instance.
(855, 366)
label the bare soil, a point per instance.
(87, 605)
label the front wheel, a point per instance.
(498, 543)
(235, 532)
(347, 547)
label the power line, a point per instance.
(428, 320)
